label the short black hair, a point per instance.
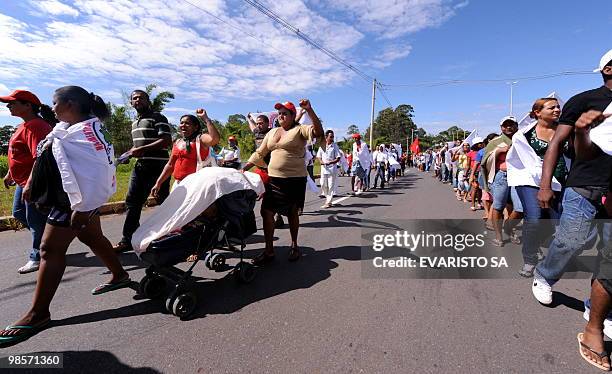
(141, 92)
(606, 77)
(328, 132)
(264, 118)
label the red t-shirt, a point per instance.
(186, 163)
(472, 156)
(22, 148)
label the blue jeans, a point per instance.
(446, 173)
(501, 192)
(535, 221)
(380, 173)
(576, 231)
(31, 218)
(454, 174)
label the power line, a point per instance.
(244, 32)
(467, 81)
(270, 14)
(382, 92)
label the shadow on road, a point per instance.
(225, 295)
(102, 361)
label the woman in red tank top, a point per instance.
(184, 158)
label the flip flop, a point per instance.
(599, 354)
(294, 254)
(29, 331)
(107, 287)
(262, 259)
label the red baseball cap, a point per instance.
(21, 95)
(231, 138)
(287, 105)
(356, 136)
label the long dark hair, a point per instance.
(87, 102)
(194, 120)
(43, 111)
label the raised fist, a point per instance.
(201, 113)
(305, 104)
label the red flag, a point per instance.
(414, 147)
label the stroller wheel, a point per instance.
(217, 261)
(152, 286)
(244, 272)
(170, 302)
(207, 259)
(184, 304)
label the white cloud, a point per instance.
(56, 8)
(4, 90)
(123, 44)
(393, 18)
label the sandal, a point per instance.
(294, 254)
(601, 355)
(497, 243)
(27, 331)
(262, 259)
(107, 287)
(514, 238)
(193, 258)
(527, 271)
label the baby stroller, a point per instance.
(223, 225)
(226, 223)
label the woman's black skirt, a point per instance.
(284, 194)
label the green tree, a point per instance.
(352, 129)
(119, 125)
(238, 126)
(158, 103)
(393, 125)
(5, 136)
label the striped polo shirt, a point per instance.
(146, 129)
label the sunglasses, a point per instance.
(284, 113)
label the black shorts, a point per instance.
(61, 216)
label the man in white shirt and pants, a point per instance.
(329, 159)
(380, 160)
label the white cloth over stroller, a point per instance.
(189, 199)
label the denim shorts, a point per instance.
(502, 193)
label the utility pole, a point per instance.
(372, 117)
(511, 93)
(411, 140)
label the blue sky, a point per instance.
(118, 45)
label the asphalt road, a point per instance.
(317, 315)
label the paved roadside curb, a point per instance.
(8, 223)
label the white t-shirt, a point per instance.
(380, 157)
(331, 153)
(229, 154)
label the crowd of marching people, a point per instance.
(552, 173)
(62, 162)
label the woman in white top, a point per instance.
(85, 159)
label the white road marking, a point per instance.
(340, 199)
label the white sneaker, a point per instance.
(607, 330)
(541, 290)
(29, 267)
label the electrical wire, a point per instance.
(270, 14)
(244, 32)
(382, 92)
(468, 81)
